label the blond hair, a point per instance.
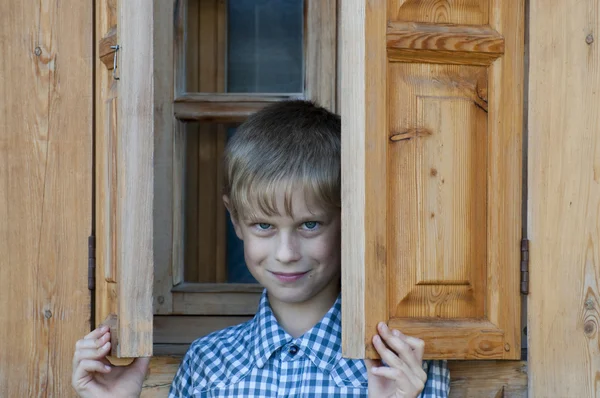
(285, 146)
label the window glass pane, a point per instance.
(265, 51)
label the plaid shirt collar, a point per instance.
(322, 343)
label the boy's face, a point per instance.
(296, 258)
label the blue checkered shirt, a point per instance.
(259, 359)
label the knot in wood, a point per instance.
(589, 328)
(506, 347)
(589, 304)
(589, 39)
(47, 314)
(38, 51)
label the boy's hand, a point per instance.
(405, 376)
(93, 376)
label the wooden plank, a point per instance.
(106, 95)
(192, 143)
(224, 108)
(488, 379)
(321, 52)
(364, 105)
(164, 125)
(160, 376)
(137, 89)
(461, 12)
(505, 174)
(215, 303)
(441, 43)
(173, 329)
(564, 199)
(46, 99)
(218, 288)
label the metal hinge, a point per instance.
(92, 262)
(524, 266)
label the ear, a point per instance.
(234, 220)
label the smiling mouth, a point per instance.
(289, 277)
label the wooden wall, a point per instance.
(45, 191)
(564, 198)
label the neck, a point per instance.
(298, 318)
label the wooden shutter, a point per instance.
(431, 180)
(135, 130)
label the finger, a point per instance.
(399, 346)
(92, 353)
(88, 366)
(93, 342)
(417, 345)
(99, 331)
(405, 383)
(388, 356)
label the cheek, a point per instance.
(255, 250)
(327, 249)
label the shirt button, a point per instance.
(293, 350)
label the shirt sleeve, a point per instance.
(182, 385)
(438, 380)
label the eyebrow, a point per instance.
(310, 217)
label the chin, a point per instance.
(291, 295)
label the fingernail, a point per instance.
(374, 369)
(105, 346)
(395, 332)
(377, 339)
(106, 367)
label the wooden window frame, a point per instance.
(173, 295)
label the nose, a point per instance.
(287, 249)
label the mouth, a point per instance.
(289, 276)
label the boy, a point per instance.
(283, 194)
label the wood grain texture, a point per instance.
(504, 183)
(160, 376)
(488, 379)
(215, 303)
(437, 218)
(364, 139)
(163, 162)
(463, 12)
(225, 108)
(139, 95)
(45, 192)
(450, 164)
(446, 44)
(205, 233)
(564, 199)
(106, 110)
(321, 52)
(105, 50)
(173, 329)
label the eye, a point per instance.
(311, 225)
(263, 226)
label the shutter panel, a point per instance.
(431, 179)
(136, 121)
